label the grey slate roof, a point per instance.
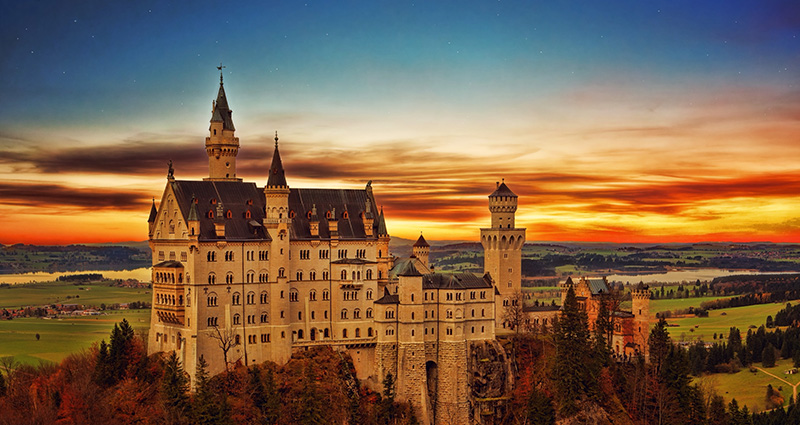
(597, 286)
(221, 110)
(170, 264)
(277, 176)
(503, 190)
(153, 213)
(235, 195)
(388, 298)
(351, 201)
(455, 281)
(421, 242)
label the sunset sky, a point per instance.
(636, 121)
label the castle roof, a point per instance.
(455, 281)
(153, 213)
(388, 298)
(597, 285)
(382, 225)
(222, 112)
(170, 264)
(406, 268)
(503, 190)
(241, 197)
(236, 197)
(277, 176)
(421, 242)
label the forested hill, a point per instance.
(21, 258)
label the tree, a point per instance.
(574, 365)
(658, 343)
(264, 393)
(175, 388)
(387, 410)
(311, 412)
(207, 406)
(768, 356)
(539, 409)
(226, 339)
(514, 315)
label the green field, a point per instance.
(720, 322)
(678, 303)
(46, 293)
(61, 337)
(750, 388)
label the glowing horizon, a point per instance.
(622, 122)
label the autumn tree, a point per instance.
(264, 393)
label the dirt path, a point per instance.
(794, 386)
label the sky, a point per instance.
(618, 121)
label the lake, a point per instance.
(141, 274)
(688, 275)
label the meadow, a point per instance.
(58, 338)
(750, 388)
(720, 321)
(89, 294)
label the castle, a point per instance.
(248, 274)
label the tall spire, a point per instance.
(382, 225)
(277, 177)
(221, 112)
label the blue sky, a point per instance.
(574, 102)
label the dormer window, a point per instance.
(213, 201)
(328, 215)
(210, 213)
(249, 202)
(291, 214)
(247, 214)
(308, 215)
(229, 214)
(345, 215)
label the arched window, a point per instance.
(358, 332)
(251, 298)
(369, 313)
(344, 274)
(237, 319)
(357, 314)
(212, 278)
(369, 274)
(369, 294)
(264, 317)
(236, 299)
(344, 313)
(264, 297)
(344, 333)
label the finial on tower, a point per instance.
(220, 72)
(276, 138)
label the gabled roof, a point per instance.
(221, 112)
(388, 298)
(597, 285)
(238, 197)
(421, 242)
(503, 190)
(455, 281)
(406, 268)
(347, 206)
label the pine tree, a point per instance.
(768, 356)
(658, 344)
(716, 411)
(387, 410)
(265, 394)
(103, 374)
(539, 409)
(175, 388)
(3, 386)
(207, 407)
(310, 400)
(574, 362)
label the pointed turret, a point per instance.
(382, 225)
(277, 177)
(153, 212)
(194, 219)
(421, 250)
(221, 145)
